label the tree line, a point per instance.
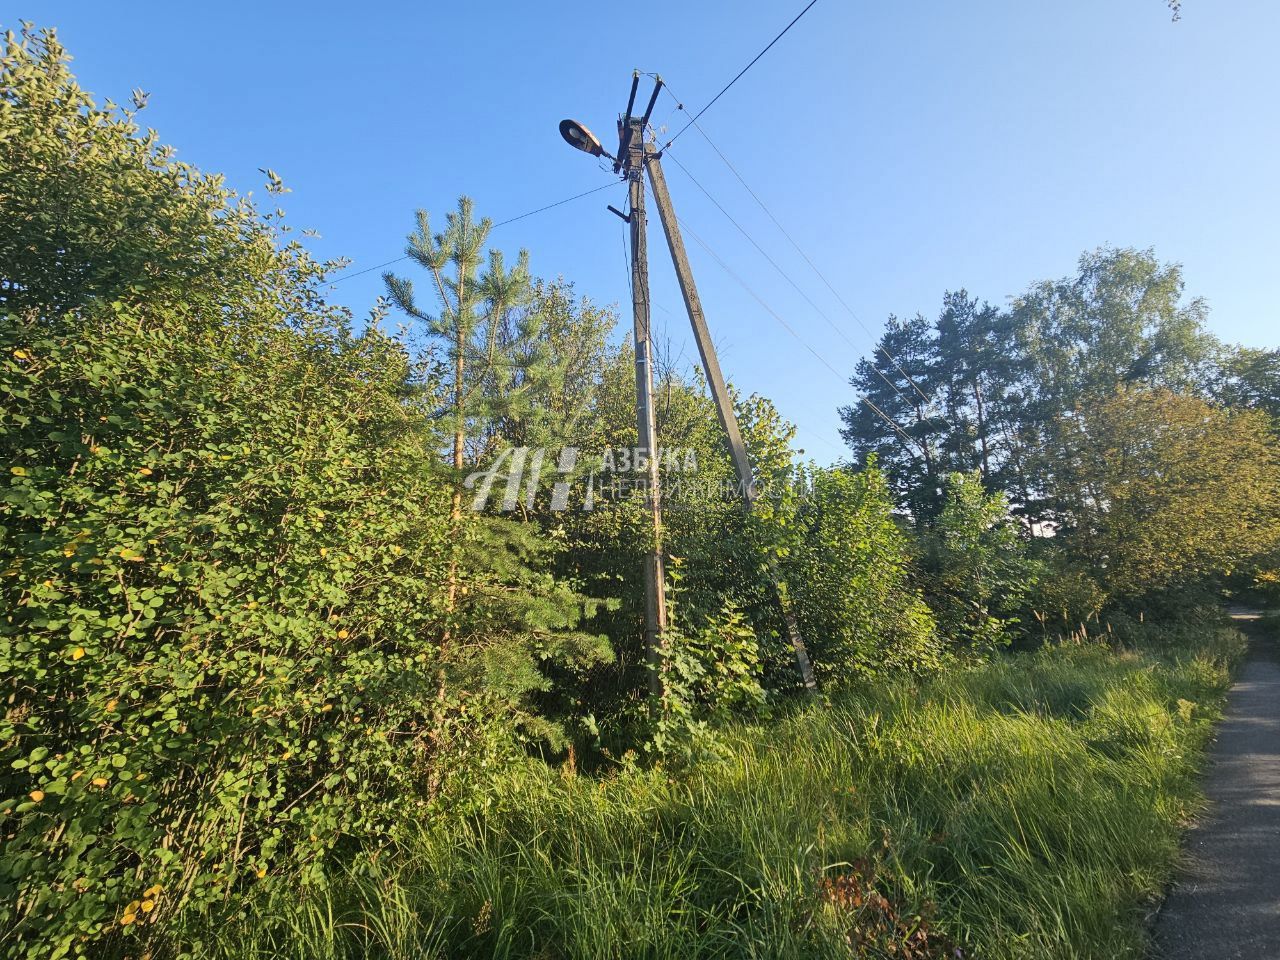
(1133, 445)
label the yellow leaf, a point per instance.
(152, 891)
(99, 781)
(18, 471)
(145, 471)
(343, 634)
(148, 906)
(127, 919)
(36, 795)
(77, 653)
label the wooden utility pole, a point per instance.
(719, 392)
(693, 305)
(655, 593)
(634, 157)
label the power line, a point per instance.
(907, 438)
(769, 213)
(348, 276)
(626, 259)
(558, 203)
(741, 72)
(501, 223)
(786, 276)
(813, 266)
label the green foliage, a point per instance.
(895, 423)
(1121, 321)
(211, 613)
(976, 567)
(985, 387)
(1249, 379)
(1065, 598)
(1094, 405)
(114, 214)
(552, 364)
(271, 690)
(478, 301)
(225, 647)
(722, 553)
(1160, 491)
(848, 573)
(1027, 807)
(711, 675)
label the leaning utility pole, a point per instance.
(719, 392)
(635, 156)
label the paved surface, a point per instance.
(1225, 903)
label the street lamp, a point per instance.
(577, 135)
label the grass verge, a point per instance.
(1025, 808)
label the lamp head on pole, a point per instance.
(576, 135)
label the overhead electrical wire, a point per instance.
(807, 259)
(813, 266)
(726, 87)
(500, 223)
(786, 276)
(906, 437)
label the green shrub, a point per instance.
(848, 572)
(225, 646)
(220, 637)
(977, 572)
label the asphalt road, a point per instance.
(1225, 903)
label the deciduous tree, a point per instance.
(1159, 489)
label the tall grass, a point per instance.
(1024, 808)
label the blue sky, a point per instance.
(909, 147)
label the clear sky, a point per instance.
(909, 147)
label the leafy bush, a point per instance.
(1065, 598)
(1166, 492)
(977, 570)
(848, 572)
(225, 644)
(711, 675)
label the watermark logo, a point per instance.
(519, 475)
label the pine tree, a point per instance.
(472, 324)
(897, 419)
(497, 361)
